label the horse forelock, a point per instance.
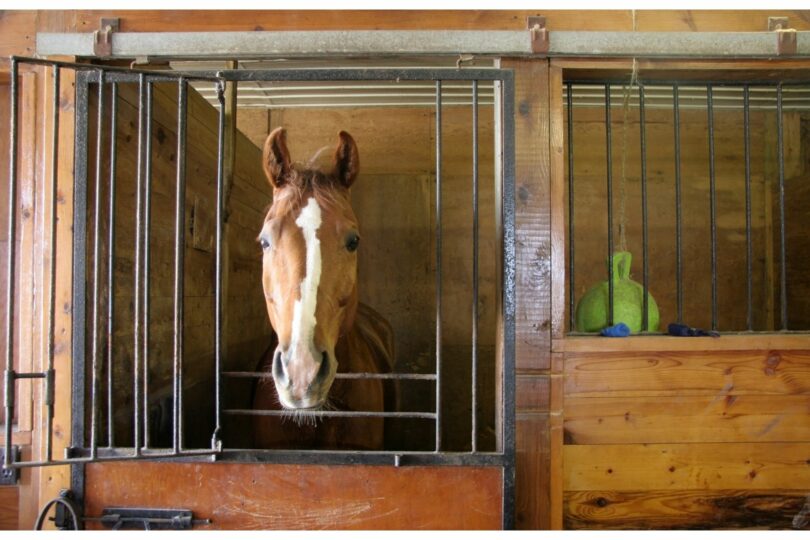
(302, 184)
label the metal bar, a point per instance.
(678, 216)
(10, 261)
(344, 376)
(644, 236)
(749, 258)
(609, 202)
(365, 74)
(271, 44)
(474, 360)
(179, 267)
(112, 71)
(111, 265)
(328, 414)
(712, 203)
(571, 287)
(438, 265)
(138, 271)
(217, 435)
(782, 259)
(49, 397)
(95, 365)
(145, 272)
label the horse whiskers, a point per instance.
(307, 417)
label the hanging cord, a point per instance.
(64, 501)
(623, 181)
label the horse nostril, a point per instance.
(323, 370)
(279, 373)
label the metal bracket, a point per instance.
(785, 37)
(102, 38)
(538, 34)
(148, 519)
(10, 476)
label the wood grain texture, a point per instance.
(532, 215)
(637, 467)
(557, 178)
(251, 496)
(532, 483)
(730, 342)
(9, 508)
(533, 393)
(715, 373)
(687, 509)
(694, 419)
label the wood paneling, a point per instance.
(251, 496)
(9, 507)
(636, 467)
(699, 373)
(679, 419)
(687, 509)
(532, 484)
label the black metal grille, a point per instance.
(669, 95)
(93, 317)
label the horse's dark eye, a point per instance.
(352, 241)
(264, 243)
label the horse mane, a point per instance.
(302, 183)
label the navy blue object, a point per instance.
(687, 331)
(617, 330)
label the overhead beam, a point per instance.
(406, 42)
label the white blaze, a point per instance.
(303, 327)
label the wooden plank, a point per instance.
(555, 483)
(687, 466)
(247, 496)
(533, 393)
(9, 508)
(773, 418)
(532, 476)
(714, 373)
(532, 214)
(687, 509)
(728, 342)
(557, 169)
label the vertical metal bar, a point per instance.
(644, 236)
(49, 378)
(474, 376)
(438, 264)
(111, 264)
(217, 436)
(749, 259)
(571, 266)
(609, 202)
(10, 262)
(179, 258)
(678, 217)
(94, 412)
(782, 259)
(712, 202)
(138, 255)
(147, 203)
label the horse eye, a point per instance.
(352, 242)
(264, 243)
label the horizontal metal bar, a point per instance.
(112, 71)
(290, 44)
(398, 376)
(82, 455)
(327, 414)
(363, 74)
(16, 375)
(688, 84)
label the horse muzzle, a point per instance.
(303, 380)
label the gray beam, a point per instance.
(398, 43)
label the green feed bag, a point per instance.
(628, 303)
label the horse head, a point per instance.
(309, 242)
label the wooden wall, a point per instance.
(248, 330)
(394, 199)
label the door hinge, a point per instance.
(538, 34)
(102, 38)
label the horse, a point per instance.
(310, 240)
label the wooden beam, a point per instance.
(728, 342)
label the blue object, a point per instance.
(617, 330)
(683, 330)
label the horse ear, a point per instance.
(276, 158)
(347, 160)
